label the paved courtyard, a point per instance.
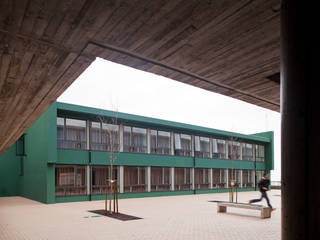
(177, 217)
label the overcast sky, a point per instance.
(112, 86)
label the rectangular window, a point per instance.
(71, 133)
(70, 180)
(202, 147)
(182, 144)
(182, 179)
(234, 175)
(135, 179)
(201, 176)
(160, 142)
(134, 139)
(216, 178)
(99, 176)
(160, 179)
(247, 179)
(219, 148)
(259, 153)
(247, 152)
(234, 151)
(104, 137)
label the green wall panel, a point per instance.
(9, 173)
(68, 156)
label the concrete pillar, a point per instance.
(121, 179)
(192, 146)
(210, 148)
(148, 141)
(241, 152)
(172, 142)
(210, 178)
(148, 177)
(88, 177)
(240, 172)
(171, 178)
(121, 138)
(88, 134)
(300, 121)
(226, 177)
(192, 178)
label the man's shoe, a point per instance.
(250, 201)
(272, 209)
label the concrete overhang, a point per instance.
(231, 47)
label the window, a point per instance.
(247, 152)
(202, 147)
(201, 176)
(99, 176)
(234, 150)
(70, 180)
(182, 144)
(259, 153)
(247, 178)
(235, 176)
(160, 142)
(134, 139)
(219, 148)
(182, 180)
(71, 133)
(104, 137)
(135, 179)
(160, 179)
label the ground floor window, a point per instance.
(99, 176)
(201, 176)
(247, 178)
(182, 179)
(219, 178)
(70, 180)
(160, 179)
(135, 179)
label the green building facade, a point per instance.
(65, 156)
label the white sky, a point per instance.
(113, 86)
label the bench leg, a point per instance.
(266, 213)
(222, 208)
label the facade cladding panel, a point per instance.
(67, 154)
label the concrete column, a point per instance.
(88, 134)
(148, 141)
(226, 177)
(148, 173)
(192, 178)
(88, 176)
(210, 148)
(241, 152)
(300, 121)
(172, 178)
(121, 138)
(192, 146)
(172, 142)
(121, 179)
(240, 172)
(210, 178)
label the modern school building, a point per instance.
(65, 156)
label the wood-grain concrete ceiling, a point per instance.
(231, 47)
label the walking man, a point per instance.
(263, 187)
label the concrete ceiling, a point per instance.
(231, 47)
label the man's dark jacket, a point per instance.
(263, 183)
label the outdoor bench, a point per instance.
(265, 211)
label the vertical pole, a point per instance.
(210, 178)
(172, 178)
(300, 129)
(148, 179)
(121, 179)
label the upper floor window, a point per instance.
(182, 144)
(104, 136)
(219, 148)
(71, 133)
(259, 153)
(247, 152)
(160, 142)
(134, 139)
(202, 147)
(234, 151)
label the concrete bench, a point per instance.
(265, 211)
